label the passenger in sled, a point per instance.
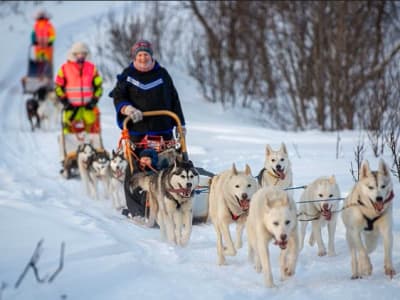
(145, 86)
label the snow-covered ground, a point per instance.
(107, 257)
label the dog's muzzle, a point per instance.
(280, 172)
(244, 202)
(282, 242)
(326, 211)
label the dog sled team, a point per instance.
(266, 208)
(150, 179)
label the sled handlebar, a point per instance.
(155, 113)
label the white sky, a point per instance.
(109, 258)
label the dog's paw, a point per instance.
(367, 267)
(288, 272)
(229, 251)
(270, 284)
(258, 268)
(221, 261)
(355, 276)
(389, 271)
(238, 244)
(322, 252)
(331, 253)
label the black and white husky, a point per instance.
(118, 165)
(99, 173)
(85, 153)
(171, 195)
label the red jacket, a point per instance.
(78, 82)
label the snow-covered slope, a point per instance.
(107, 257)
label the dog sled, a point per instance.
(39, 74)
(75, 132)
(168, 150)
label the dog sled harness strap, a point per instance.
(370, 222)
(260, 175)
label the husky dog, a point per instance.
(367, 214)
(229, 200)
(277, 169)
(32, 113)
(118, 165)
(272, 216)
(171, 193)
(33, 107)
(99, 172)
(49, 111)
(320, 207)
(85, 153)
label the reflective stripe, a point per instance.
(78, 89)
(145, 86)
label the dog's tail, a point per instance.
(370, 240)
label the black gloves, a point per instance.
(92, 103)
(65, 103)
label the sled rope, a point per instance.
(332, 199)
(295, 187)
(128, 152)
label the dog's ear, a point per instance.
(234, 170)
(247, 171)
(283, 148)
(113, 152)
(365, 170)
(332, 179)
(268, 150)
(383, 168)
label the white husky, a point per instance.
(319, 204)
(367, 214)
(272, 216)
(229, 200)
(277, 169)
(118, 165)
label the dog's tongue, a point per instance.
(378, 206)
(119, 173)
(281, 174)
(327, 214)
(281, 244)
(244, 204)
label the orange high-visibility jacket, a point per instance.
(44, 33)
(77, 83)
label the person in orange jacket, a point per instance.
(78, 85)
(43, 36)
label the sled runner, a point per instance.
(167, 151)
(75, 132)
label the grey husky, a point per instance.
(171, 193)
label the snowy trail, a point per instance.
(108, 257)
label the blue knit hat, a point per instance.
(141, 45)
(150, 153)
